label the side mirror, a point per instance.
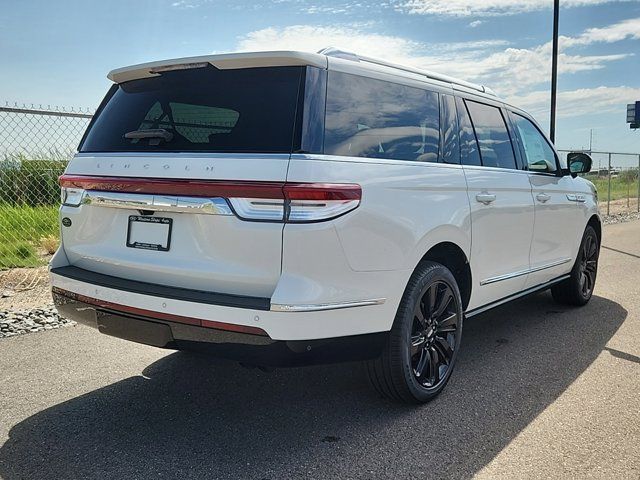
(578, 162)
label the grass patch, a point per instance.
(620, 186)
(23, 231)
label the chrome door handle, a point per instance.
(543, 197)
(485, 198)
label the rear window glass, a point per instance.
(377, 119)
(205, 109)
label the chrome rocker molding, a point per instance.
(519, 273)
(524, 293)
(317, 307)
(158, 203)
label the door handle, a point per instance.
(485, 198)
(543, 197)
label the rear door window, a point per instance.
(250, 110)
(493, 138)
(469, 153)
(373, 118)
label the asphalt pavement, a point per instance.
(540, 390)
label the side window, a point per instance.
(469, 153)
(377, 119)
(493, 138)
(449, 122)
(539, 155)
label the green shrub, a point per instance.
(30, 182)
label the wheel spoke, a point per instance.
(424, 358)
(445, 299)
(591, 266)
(592, 249)
(432, 295)
(448, 324)
(434, 371)
(417, 343)
(584, 287)
(419, 314)
(444, 349)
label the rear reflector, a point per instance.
(257, 201)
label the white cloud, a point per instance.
(487, 7)
(311, 39)
(475, 23)
(578, 102)
(627, 29)
(508, 70)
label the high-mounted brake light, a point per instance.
(258, 201)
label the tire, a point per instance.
(420, 353)
(578, 288)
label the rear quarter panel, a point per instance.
(406, 208)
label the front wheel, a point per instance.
(577, 289)
(423, 344)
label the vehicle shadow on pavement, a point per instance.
(190, 417)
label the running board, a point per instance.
(524, 293)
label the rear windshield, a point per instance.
(205, 109)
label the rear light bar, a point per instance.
(256, 201)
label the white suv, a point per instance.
(287, 208)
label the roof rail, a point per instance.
(334, 52)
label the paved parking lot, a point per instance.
(539, 391)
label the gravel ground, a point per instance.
(620, 217)
(18, 322)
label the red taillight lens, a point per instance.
(322, 191)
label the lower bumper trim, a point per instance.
(252, 349)
(158, 315)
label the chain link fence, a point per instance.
(36, 143)
(35, 146)
(616, 176)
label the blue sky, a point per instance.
(58, 53)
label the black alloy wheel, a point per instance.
(433, 335)
(424, 341)
(578, 288)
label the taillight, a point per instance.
(313, 202)
(255, 201)
(71, 197)
(301, 202)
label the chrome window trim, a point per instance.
(519, 273)
(318, 307)
(157, 203)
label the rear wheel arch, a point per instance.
(594, 222)
(453, 257)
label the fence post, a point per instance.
(609, 187)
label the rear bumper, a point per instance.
(226, 341)
(222, 311)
